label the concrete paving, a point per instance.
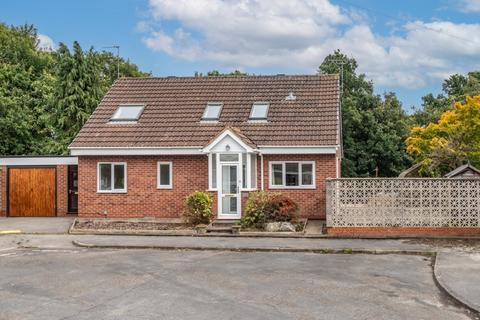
(314, 227)
(459, 274)
(152, 284)
(251, 243)
(40, 225)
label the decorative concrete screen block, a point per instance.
(403, 203)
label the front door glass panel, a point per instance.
(229, 189)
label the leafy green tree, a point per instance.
(109, 64)
(46, 96)
(452, 141)
(78, 90)
(216, 73)
(25, 91)
(374, 128)
(455, 89)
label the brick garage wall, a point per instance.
(3, 191)
(62, 190)
(401, 232)
(311, 201)
(143, 199)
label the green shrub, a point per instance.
(263, 207)
(198, 208)
(254, 214)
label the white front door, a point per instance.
(229, 192)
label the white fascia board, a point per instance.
(232, 134)
(297, 149)
(38, 161)
(132, 151)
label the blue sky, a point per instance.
(405, 46)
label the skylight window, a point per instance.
(212, 111)
(259, 111)
(128, 113)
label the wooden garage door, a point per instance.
(31, 192)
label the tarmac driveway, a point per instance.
(36, 225)
(152, 284)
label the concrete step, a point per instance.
(227, 229)
(222, 226)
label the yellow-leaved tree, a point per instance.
(452, 141)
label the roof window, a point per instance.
(212, 111)
(130, 112)
(259, 111)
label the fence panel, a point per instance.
(396, 202)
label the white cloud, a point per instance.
(470, 5)
(45, 43)
(298, 34)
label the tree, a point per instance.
(78, 91)
(455, 89)
(452, 141)
(26, 86)
(109, 65)
(374, 128)
(46, 96)
(216, 73)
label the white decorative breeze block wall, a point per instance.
(367, 202)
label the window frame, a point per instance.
(250, 185)
(127, 105)
(204, 116)
(170, 167)
(112, 171)
(251, 117)
(284, 173)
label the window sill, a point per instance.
(241, 190)
(114, 191)
(164, 187)
(293, 188)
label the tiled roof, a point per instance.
(174, 107)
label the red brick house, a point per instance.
(153, 141)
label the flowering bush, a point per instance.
(198, 208)
(283, 208)
(263, 207)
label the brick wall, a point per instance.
(311, 201)
(363, 232)
(143, 199)
(190, 173)
(62, 190)
(3, 191)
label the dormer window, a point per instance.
(128, 112)
(259, 111)
(212, 111)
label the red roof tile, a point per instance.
(174, 107)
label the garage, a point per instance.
(38, 186)
(31, 192)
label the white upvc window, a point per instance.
(212, 171)
(246, 161)
(112, 177)
(164, 175)
(292, 174)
